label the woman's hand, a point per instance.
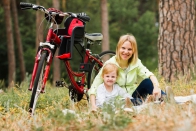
(156, 91)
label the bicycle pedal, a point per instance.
(60, 83)
(42, 91)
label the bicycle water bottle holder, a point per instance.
(85, 67)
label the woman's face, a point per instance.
(126, 51)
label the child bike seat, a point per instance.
(94, 36)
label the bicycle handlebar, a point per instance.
(25, 6)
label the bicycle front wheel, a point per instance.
(104, 56)
(37, 83)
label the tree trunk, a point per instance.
(176, 46)
(39, 27)
(10, 43)
(18, 40)
(63, 5)
(56, 65)
(104, 26)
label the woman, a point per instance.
(130, 67)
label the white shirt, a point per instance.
(109, 97)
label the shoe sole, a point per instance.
(169, 94)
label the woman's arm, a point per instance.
(92, 102)
(145, 73)
(96, 82)
(156, 90)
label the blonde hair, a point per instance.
(130, 38)
(109, 67)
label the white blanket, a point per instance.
(178, 99)
(183, 99)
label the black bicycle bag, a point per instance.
(70, 23)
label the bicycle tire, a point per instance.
(37, 83)
(95, 67)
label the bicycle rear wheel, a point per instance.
(103, 56)
(37, 83)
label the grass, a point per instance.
(49, 116)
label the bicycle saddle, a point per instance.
(94, 36)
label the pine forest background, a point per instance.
(137, 17)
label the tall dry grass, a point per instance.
(49, 116)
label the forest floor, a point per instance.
(49, 114)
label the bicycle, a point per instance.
(65, 39)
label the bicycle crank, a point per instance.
(60, 84)
(74, 95)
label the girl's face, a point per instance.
(126, 51)
(109, 79)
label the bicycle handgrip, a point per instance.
(85, 18)
(25, 5)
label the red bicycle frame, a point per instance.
(80, 88)
(53, 38)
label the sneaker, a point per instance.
(169, 94)
(151, 98)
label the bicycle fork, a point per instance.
(46, 70)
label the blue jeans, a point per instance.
(145, 88)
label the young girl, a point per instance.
(108, 90)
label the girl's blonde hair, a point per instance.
(109, 67)
(133, 42)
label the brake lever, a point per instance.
(72, 14)
(36, 7)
